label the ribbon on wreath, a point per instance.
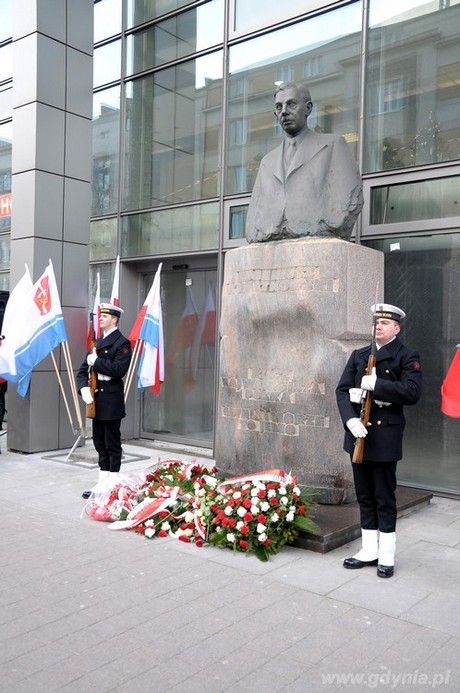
(277, 475)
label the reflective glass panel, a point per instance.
(185, 407)
(171, 231)
(4, 281)
(6, 20)
(238, 221)
(173, 134)
(412, 84)
(5, 247)
(107, 64)
(106, 271)
(139, 11)
(254, 14)
(176, 37)
(422, 276)
(330, 67)
(6, 62)
(107, 19)
(438, 198)
(5, 176)
(6, 103)
(103, 239)
(106, 151)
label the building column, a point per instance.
(51, 193)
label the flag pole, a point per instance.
(132, 366)
(73, 386)
(61, 385)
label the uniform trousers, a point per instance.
(107, 441)
(375, 485)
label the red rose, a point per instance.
(184, 537)
(244, 544)
(247, 503)
(301, 510)
(245, 529)
(141, 529)
(224, 521)
(267, 542)
(162, 533)
(199, 542)
(270, 485)
(231, 522)
(247, 517)
(273, 501)
(262, 493)
(262, 518)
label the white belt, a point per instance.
(101, 376)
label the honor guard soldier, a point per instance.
(109, 362)
(396, 380)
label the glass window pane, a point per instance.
(107, 64)
(185, 407)
(238, 221)
(176, 37)
(103, 239)
(6, 62)
(5, 176)
(413, 83)
(105, 271)
(5, 247)
(171, 231)
(294, 53)
(106, 138)
(6, 103)
(6, 20)
(423, 278)
(173, 134)
(107, 19)
(438, 198)
(255, 14)
(139, 11)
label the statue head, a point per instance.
(293, 105)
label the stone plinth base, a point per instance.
(292, 311)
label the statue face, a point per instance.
(292, 110)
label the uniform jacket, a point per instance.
(399, 381)
(320, 192)
(113, 359)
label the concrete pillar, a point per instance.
(51, 192)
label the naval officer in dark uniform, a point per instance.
(110, 361)
(395, 381)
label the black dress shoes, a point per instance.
(385, 571)
(354, 563)
(86, 494)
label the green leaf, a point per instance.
(261, 553)
(306, 524)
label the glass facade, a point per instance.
(182, 116)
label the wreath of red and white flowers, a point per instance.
(256, 513)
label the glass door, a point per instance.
(184, 411)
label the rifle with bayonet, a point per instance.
(92, 376)
(366, 398)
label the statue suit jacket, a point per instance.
(399, 381)
(319, 194)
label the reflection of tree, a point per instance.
(390, 158)
(428, 145)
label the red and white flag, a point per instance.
(94, 328)
(185, 331)
(205, 334)
(115, 295)
(450, 389)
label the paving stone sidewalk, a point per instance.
(83, 608)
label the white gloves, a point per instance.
(90, 359)
(357, 428)
(356, 395)
(86, 395)
(368, 381)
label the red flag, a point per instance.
(450, 389)
(184, 334)
(115, 296)
(94, 328)
(205, 334)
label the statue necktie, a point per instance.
(290, 151)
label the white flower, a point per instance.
(254, 491)
(239, 525)
(262, 537)
(230, 537)
(219, 529)
(260, 528)
(290, 517)
(284, 500)
(282, 491)
(236, 495)
(228, 510)
(188, 532)
(201, 492)
(241, 511)
(166, 526)
(275, 517)
(265, 506)
(255, 500)
(296, 490)
(292, 508)
(211, 480)
(149, 523)
(199, 512)
(188, 517)
(254, 509)
(271, 492)
(149, 532)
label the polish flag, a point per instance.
(185, 331)
(94, 328)
(205, 334)
(115, 295)
(450, 390)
